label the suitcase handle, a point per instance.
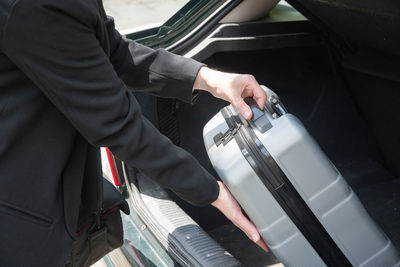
(273, 109)
(261, 119)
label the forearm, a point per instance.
(150, 71)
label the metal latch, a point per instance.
(224, 138)
(277, 107)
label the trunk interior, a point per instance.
(349, 102)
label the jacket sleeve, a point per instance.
(55, 45)
(156, 72)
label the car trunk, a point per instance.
(346, 102)
(341, 82)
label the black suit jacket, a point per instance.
(60, 96)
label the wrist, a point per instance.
(206, 80)
(217, 202)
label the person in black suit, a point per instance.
(62, 96)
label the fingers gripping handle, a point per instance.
(261, 118)
(273, 109)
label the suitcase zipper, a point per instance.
(283, 191)
(248, 151)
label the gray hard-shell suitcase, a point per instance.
(298, 200)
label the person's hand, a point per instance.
(227, 204)
(231, 87)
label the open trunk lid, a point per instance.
(359, 23)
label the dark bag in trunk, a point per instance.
(100, 229)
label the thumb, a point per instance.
(243, 108)
(250, 230)
(262, 245)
